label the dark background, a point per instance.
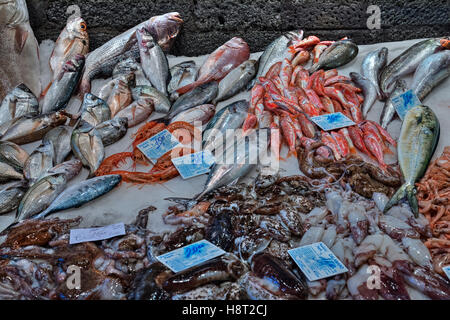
(210, 23)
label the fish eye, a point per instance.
(83, 26)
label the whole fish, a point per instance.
(72, 41)
(59, 139)
(11, 196)
(19, 102)
(70, 169)
(137, 112)
(40, 196)
(82, 193)
(389, 112)
(19, 49)
(58, 95)
(198, 115)
(88, 147)
(94, 110)
(30, 129)
(236, 81)
(202, 94)
(13, 155)
(182, 74)
(39, 162)
(245, 159)
(430, 73)
(101, 62)
(417, 143)
(7, 173)
(369, 92)
(227, 57)
(276, 51)
(372, 66)
(153, 60)
(113, 130)
(131, 70)
(160, 102)
(338, 54)
(120, 98)
(231, 117)
(408, 61)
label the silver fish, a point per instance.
(153, 60)
(137, 112)
(236, 81)
(39, 162)
(201, 114)
(120, 98)
(102, 61)
(231, 117)
(13, 155)
(182, 74)
(113, 130)
(430, 73)
(418, 140)
(19, 49)
(7, 173)
(19, 102)
(372, 66)
(369, 92)
(11, 196)
(94, 110)
(40, 196)
(245, 159)
(276, 51)
(88, 147)
(202, 94)
(30, 129)
(389, 112)
(64, 85)
(59, 138)
(160, 102)
(70, 168)
(82, 193)
(338, 54)
(408, 61)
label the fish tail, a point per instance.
(399, 195)
(412, 200)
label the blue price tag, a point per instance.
(195, 164)
(317, 261)
(190, 256)
(333, 121)
(158, 145)
(404, 102)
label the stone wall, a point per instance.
(210, 23)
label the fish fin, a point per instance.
(44, 92)
(399, 195)
(412, 200)
(130, 43)
(21, 37)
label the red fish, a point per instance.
(274, 70)
(226, 58)
(288, 128)
(328, 140)
(344, 148)
(358, 139)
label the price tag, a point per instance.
(96, 234)
(317, 261)
(158, 145)
(405, 102)
(195, 164)
(190, 256)
(333, 121)
(447, 271)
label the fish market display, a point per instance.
(19, 102)
(19, 49)
(418, 141)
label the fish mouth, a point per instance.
(176, 17)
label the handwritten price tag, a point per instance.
(195, 164)
(158, 145)
(190, 256)
(404, 102)
(333, 121)
(96, 234)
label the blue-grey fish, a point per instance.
(418, 140)
(202, 94)
(82, 193)
(113, 130)
(372, 66)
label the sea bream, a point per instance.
(13, 155)
(182, 74)
(94, 110)
(19, 49)
(87, 146)
(101, 62)
(17, 103)
(59, 139)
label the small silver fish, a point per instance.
(17, 103)
(137, 112)
(369, 92)
(13, 155)
(88, 147)
(182, 74)
(120, 98)
(198, 115)
(113, 130)
(372, 66)
(202, 94)
(59, 139)
(94, 110)
(338, 54)
(11, 196)
(389, 111)
(70, 168)
(160, 102)
(39, 162)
